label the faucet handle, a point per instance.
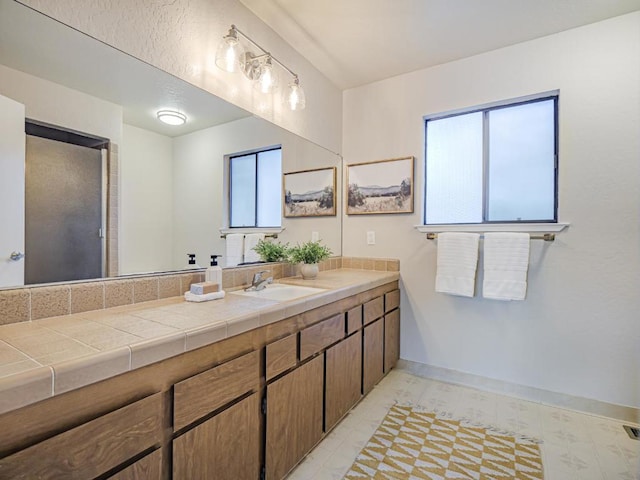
(258, 276)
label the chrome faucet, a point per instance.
(258, 282)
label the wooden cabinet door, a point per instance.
(294, 417)
(372, 367)
(391, 340)
(343, 376)
(149, 468)
(225, 447)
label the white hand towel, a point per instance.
(506, 261)
(457, 263)
(235, 249)
(250, 241)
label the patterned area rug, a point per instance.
(412, 443)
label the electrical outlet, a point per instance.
(315, 236)
(371, 238)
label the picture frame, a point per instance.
(309, 193)
(380, 187)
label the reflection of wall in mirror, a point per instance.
(180, 182)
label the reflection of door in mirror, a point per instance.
(11, 192)
(63, 206)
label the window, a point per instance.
(493, 164)
(255, 189)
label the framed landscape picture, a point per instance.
(385, 186)
(310, 193)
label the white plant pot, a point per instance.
(309, 271)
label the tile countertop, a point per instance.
(47, 357)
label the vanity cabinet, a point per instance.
(250, 406)
(294, 417)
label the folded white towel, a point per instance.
(506, 261)
(457, 263)
(235, 249)
(250, 241)
(192, 297)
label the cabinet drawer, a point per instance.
(354, 319)
(373, 310)
(93, 448)
(281, 355)
(321, 335)
(197, 396)
(391, 300)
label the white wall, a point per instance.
(146, 194)
(181, 37)
(578, 331)
(198, 174)
(58, 105)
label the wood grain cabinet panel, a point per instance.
(225, 447)
(343, 378)
(147, 468)
(373, 345)
(201, 394)
(319, 336)
(294, 417)
(281, 355)
(93, 448)
(373, 309)
(391, 340)
(354, 319)
(391, 300)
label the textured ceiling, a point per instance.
(67, 57)
(355, 42)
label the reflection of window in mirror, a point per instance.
(254, 188)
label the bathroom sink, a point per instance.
(281, 292)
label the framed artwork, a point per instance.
(385, 186)
(309, 193)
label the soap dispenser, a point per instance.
(192, 261)
(214, 272)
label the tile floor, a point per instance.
(576, 446)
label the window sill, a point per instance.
(269, 232)
(494, 227)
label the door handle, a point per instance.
(16, 256)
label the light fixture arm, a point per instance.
(265, 52)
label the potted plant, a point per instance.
(272, 251)
(309, 254)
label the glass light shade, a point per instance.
(266, 81)
(171, 117)
(229, 53)
(295, 96)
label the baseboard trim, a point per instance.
(538, 395)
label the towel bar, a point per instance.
(272, 235)
(547, 237)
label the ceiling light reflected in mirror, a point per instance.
(171, 117)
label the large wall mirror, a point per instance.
(160, 189)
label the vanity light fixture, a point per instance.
(171, 117)
(231, 57)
